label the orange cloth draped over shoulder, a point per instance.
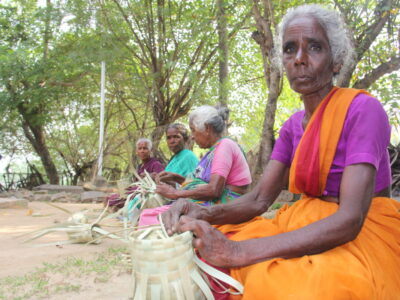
(365, 268)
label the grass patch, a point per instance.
(278, 205)
(275, 206)
(64, 277)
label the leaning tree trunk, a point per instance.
(35, 135)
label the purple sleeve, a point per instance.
(367, 132)
(283, 147)
(157, 167)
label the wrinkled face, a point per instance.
(201, 138)
(143, 151)
(307, 56)
(175, 140)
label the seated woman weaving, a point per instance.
(341, 240)
(183, 162)
(222, 174)
(148, 164)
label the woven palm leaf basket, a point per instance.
(167, 268)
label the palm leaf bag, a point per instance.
(167, 268)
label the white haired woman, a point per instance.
(148, 163)
(223, 173)
(341, 240)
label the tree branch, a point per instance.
(263, 36)
(387, 67)
(64, 83)
(126, 18)
(263, 26)
(47, 33)
(368, 36)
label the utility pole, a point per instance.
(101, 135)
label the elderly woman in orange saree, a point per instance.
(341, 240)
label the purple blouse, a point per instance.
(364, 139)
(153, 165)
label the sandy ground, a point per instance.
(18, 258)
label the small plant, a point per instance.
(275, 206)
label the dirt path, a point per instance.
(69, 271)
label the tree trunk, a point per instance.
(267, 137)
(273, 77)
(156, 136)
(34, 132)
(35, 135)
(80, 171)
(345, 76)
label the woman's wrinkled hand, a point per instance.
(166, 190)
(181, 208)
(169, 177)
(165, 177)
(212, 245)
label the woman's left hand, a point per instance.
(169, 177)
(213, 246)
(166, 190)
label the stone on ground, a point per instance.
(59, 188)
(13, 203)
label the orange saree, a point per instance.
(366, 268)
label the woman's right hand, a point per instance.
(182, 207)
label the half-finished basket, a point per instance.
(167, 267)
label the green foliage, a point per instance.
(387, 89)
(161, 60)
(360, 16)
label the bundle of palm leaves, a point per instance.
(143, 197)
(146, 190)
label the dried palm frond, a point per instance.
(78, 229)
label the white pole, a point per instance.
(101, 136)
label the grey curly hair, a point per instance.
(338, 35)
(216, 117)
(144, 140)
